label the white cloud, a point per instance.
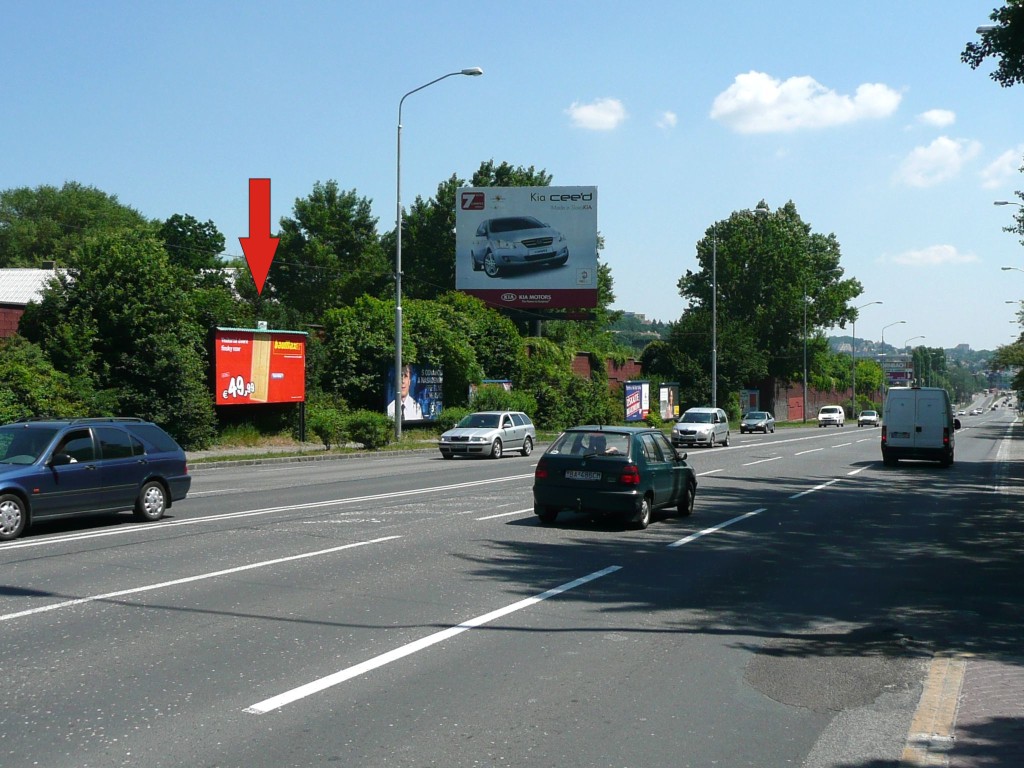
(759, 103)
(939, 161)
(939, 118)
(600, 115)
(933, 255)
(667, 120)
(1003, 169)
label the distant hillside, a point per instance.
(962, 353)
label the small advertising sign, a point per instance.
(638, 400)
(422, 393)
(256, 366)
(668, 401)
(527, 247)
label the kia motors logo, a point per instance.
(508, 297)
(472, 201)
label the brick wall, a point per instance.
(9, 319)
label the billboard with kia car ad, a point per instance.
(527, 247)
(255, 366)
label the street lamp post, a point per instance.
(853, 412)
(906, 345)
(884, 377)
(472, 72)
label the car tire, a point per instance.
(643, 518)
(684, 508)
(447, 455)
(496, 449)
(527, 447)
(726, 441)
(711, 440)
(491, 268)
(547, 515)
(773, 430)
(151, 503)
(889, 461)
(13, 517)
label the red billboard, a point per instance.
(254, 366)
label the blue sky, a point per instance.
(679, 112)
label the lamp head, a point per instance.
(472, 71)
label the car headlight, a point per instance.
(504, 244)
(477, 439)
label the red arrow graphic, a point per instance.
(259, 246)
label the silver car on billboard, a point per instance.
(516, 242)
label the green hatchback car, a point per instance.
(623, 471)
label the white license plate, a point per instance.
(901, 434)
(580, 474)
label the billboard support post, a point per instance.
(472, 72)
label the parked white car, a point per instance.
(701, 426)
(831, 416)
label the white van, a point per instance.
(918, 423)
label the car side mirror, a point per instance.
(956, 424)
(681, 456)
(60, 459)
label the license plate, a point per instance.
(901, 434)
(580, 474)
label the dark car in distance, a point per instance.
(627, 472)
(757, 421)
(51, 469)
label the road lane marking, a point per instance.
(853, 472)
(840, 445)
(760, 461)
(188, 579)
(812, 450)
(149, 527)
(815, 488)
(714, 528)
(710, 472)
(289, 697)
(506, 514)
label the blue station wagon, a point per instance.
(624, 471)
(66, 467)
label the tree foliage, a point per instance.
(121, 320)
(193, 245)
(48, 223)
(1004, 41)
(31, 387)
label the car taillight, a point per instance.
(541, 472)
(186, 469)
(885, 431)
(945, 435)
(630, 475)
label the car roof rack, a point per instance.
(82, 420)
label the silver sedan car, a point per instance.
(490, 434)
(757, 421)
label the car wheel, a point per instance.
(152, 502)
(447, 455)
(496, 449)
(711, 441)
(644, 517)
(685, 506)
(13, 517)
(773, 430)
(491, 268)
(547, 515)
(527, 447)
(726, 441)
(889, 461)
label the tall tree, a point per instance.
(191, 244)
(779, 286)
(121, 318)
(47, 223)
(1005, 41)
(505, 175)
(329, 254)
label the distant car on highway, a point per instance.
(757, 421)
(868, 418)
(831, 416)
(701, 426)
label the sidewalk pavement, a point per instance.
(292, 452)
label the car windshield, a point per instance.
(869, 413)
(696, 418)
(756, 415)
(480, 421)
(514, 223)
(20, 445)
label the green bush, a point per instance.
(371, 428)
(239, 434)
(326, 423)
(496, 398)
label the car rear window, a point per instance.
(152, 435)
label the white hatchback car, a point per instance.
(701, 426)
(831, 416)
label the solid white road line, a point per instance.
(506, 514)
(288, 697)
(760, 461)
(815, 488)
(812, 450)
(712, 529)
(187, 579)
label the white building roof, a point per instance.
(20, 286)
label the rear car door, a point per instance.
(123, 466)
(932, 416)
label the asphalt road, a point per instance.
(409, 611)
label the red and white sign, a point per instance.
(257, 367)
